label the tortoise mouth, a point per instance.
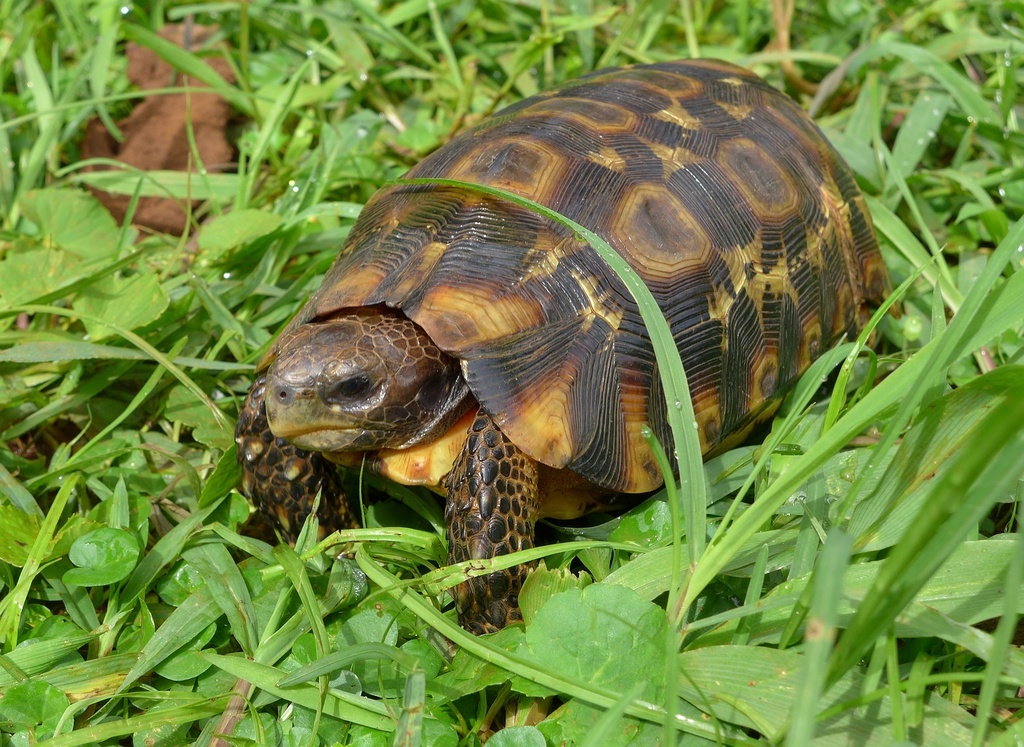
(324, 441)
(336, 438)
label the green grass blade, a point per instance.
(928, 62)
(353, 709)
(819, 638)
(1002, 643)
(189, 64)
(12, 605)
(228, 590)
(136, 340)
(196, 708)
(958, 500)
(188, 620)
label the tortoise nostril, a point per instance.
(284, 394)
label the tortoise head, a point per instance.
(362, 380)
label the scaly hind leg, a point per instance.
(492, 508)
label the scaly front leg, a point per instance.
(492, 508)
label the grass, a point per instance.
(859, 576)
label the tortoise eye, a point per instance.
(350, 388)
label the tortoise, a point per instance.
(468, 343)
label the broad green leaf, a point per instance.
(296, 736)
(102, 557)
(542, 584)
(73, 221)
(179, 185)
(533, 675)
(263, 728)
(373, 626)
(18, 531)
(31, 704)
(183, 407)
(236, 228)
(53, 627)
(426, 657)
(128, 302)
(31, 270)
(362, 736)
(182, 581)
(467, 672)
(604, 634)
(164, 735)
(518, 736)
(436, 732)
(754, 687)
(648, 524)
(224, 477)
(579, 723)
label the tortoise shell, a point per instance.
(719, 191)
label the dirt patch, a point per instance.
(156, 132)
